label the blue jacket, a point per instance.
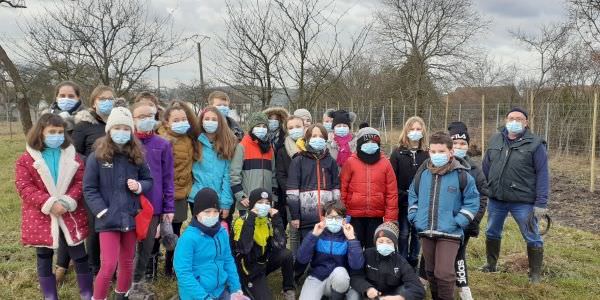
(211, 172)
(204, 265)
(329, 251)
(440, 208)
(105, 187)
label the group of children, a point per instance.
(122, 179)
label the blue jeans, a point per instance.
(408, 240)
(497, 213)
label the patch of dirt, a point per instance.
(573, 205)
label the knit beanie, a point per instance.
(341, 117)
(119, 116)
(206, 198)
(303, 113)
(367, 134)
(389, 230)
(259, 194)
(519, 109)
(458, 131)
(255, 119)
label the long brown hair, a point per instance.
(225, 141)
(405, 142)
(35, 136)
(96, 93)
(309, 130)
(191, 117)
(106, 149)
(72, 84)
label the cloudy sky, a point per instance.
(205, 17)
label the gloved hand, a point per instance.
(540, 212)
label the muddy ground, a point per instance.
(572, 204)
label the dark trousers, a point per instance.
(364, 229)
(92, 245)
(144, 250)
(299, 268)
(169, 254)
(440, 256)
(460, 267)
(256, 285)
(44, 258)
(408, 240)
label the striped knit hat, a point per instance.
(389, 230)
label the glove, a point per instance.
(540, 212)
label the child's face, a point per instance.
(220, 102)
(416, 126)
(207, 213)
(263, 201)
(384, 240)
(335, 216)
(121, 127)
(106, 95)
(440, 148)
(316, 132)
(177, 115)
(67, 91)
(210, 116)
(294, 123)
(53, 130)
(460, 144)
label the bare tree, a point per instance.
(21, 90)
(585, 16)
(13, 3)
(484, 71)
(120, 39)
(314, 55)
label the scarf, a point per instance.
(344, 151)
(263, 145)
(211, 231)
(443, 169)
(291, 147)
(369, 159)
(262, 231)
(144, 135)
(301, 144)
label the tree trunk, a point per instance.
(22, 99)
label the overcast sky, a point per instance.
(206, 17)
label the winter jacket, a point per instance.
(254, 240)
(158, 153)
(235, 128)
(369, 191)
(405, 164)
(482, 188)
(517, 171)
(312, 181)
(67, 115)
(212, 172)
(283, 160)
(204, 264)
(334, 148)
(386, 274)
(440, 208)
(38, 192)
(89, 127)
(105, 191)
(251, 169)
(277, 138)
(329, 251)
(183, 155)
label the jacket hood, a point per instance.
(205, 141)
(281, 112)
(464, 162)
(85, 115)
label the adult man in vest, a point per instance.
(516, 166)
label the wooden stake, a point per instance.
(391, 114)
(593, 156)
(483, 124)
(446, 115)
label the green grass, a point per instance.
(572, 263)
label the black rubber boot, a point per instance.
(536, 258)
(492, 249)
(121, 296)
(152, 268)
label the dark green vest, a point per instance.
(512, 176)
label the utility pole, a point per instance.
(199, 45)
(158, 92)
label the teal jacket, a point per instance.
(211, 172)
(204, 265)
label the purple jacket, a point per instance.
(159, 156)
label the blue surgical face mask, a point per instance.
(514, 127)
(120, 137)
(296, 133)
(146, 124)
(341, 131)
(333, 224)
(224, 110)
(273, 125)
(54, 140)
(104, 107)
(415, 135)
(180, 127)
(328, 126)
(210, 126)
(460, 153)
(209, 221)
(439, 159)
(385, 249)
(260, 132)
(66, 104)
(317, 143)
(263, 209)
(369, 148)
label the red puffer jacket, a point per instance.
(35, 185)
(370, 190)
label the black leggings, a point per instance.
(364, 229)
(44, 258)
(257, 287)
(460, 266)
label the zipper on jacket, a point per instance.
(324, 180)
(368, 188)
(433, 199)
(217, 250)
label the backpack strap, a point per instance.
(417, 178)
(462, 178)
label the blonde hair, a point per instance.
(405, 141)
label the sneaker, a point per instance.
(465, 293)
(289, 295)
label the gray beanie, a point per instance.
(119, 116)
(367, 133)
(303, 113)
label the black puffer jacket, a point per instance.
(405, 165)
(88, 128)
(386, 274)
(482, 187)
(68, 116)
(235, 128)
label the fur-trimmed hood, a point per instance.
(281, 112)
(86, 115)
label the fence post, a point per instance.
(483, 123)
(446, 114)
(531, 113)
(459, 111)
(547, 124)
(371, 111)
(391, 114)
(593, 156)
(338, 102)
(429, 120)
(497, 115)
(403, 114)
(352, 104)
